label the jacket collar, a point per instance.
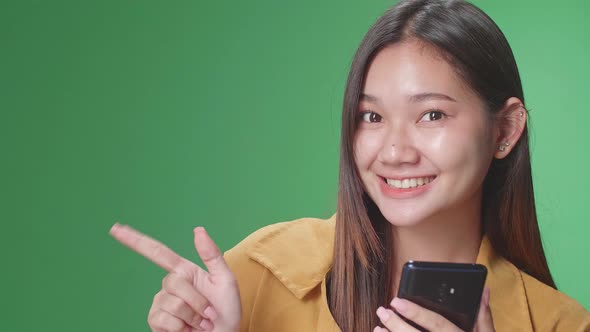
(508, 300)
(305, 268)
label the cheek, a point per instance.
(366, 148)
(464, 148)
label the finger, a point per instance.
(178, 286)
(210, 254)
(146, 246)
(427, 319)
(392, 321)
(176, 307)
(193, 321)
(200, 329)
(161, 320)
(485, 322)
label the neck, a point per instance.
(451, 236)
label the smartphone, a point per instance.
(453, 290)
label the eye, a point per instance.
(370, 117)
(433, 115)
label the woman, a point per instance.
(434, 166)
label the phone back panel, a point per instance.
(451, 289)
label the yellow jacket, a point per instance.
(281, 272)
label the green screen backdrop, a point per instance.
(166, 115)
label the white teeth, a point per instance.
(409, 183)
(405, 183)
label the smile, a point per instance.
(409, 182)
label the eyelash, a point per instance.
(431, 111)
(363, 113)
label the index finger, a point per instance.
(147, 247)
(425, 318)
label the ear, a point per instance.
(510, 124)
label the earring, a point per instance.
(521, 113)
(502, 147)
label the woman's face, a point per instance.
(424, 142)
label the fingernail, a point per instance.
(210, 313)
(206, 325)
(382, 314)
(399, 304)
(114, 227)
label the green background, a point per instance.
(166, 115)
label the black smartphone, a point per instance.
(453, 290)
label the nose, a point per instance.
(398, 148)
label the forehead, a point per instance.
(411, 68)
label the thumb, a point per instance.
(210, 254)
(485, 322)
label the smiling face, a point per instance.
(424, 141)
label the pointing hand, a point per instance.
(191, 299)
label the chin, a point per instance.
(403, 217)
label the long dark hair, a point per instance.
(475, 47)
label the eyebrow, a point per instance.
(417, 98)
